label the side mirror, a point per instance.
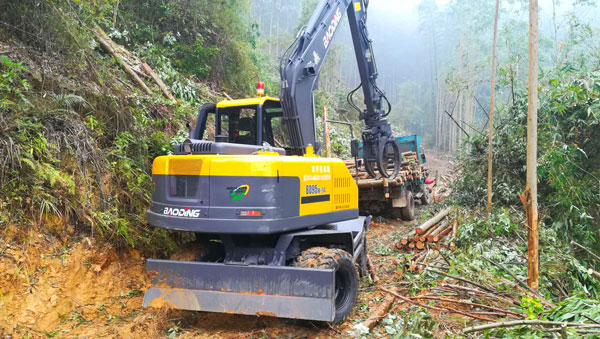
(354, 148)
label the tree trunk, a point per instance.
(491, 114)
(531, 188)
(326, 133)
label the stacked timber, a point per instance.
(410, 170)
(434, 234)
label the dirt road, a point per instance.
(69, 286)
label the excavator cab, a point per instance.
(252, 122)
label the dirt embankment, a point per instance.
(68, 288)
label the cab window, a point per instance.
(238, 124)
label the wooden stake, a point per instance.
(530, 195)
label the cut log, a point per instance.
(455, 228)
(158, 81)
(109, 48)
(380, 312)
(431, 222)
(593, 273)
(433, 230)
(442, 234)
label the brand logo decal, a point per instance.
(335, 21)
(182, 212)
(316, 58)
(239, 192)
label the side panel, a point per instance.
(275, 197)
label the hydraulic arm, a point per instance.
(300, 69)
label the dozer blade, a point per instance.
(279, 291)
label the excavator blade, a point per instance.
(279, 291)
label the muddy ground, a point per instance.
(74, 287)
(81, 289)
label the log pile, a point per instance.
(410, 170)
(437, 232)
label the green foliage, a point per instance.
(567, 152)
(85, 155)
(196, 58)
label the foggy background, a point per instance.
(434, 56)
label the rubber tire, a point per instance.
(408, 211)
(343, 265)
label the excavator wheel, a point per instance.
(408, 211)
(346, 276)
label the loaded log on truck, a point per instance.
(277, 227)
(396, 197)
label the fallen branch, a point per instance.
(434, 308)
(468, 303)
(522, 284)
(503, 324)
(443, 256)
(485, 288)
(476, 292)
(592, 254)
(371, 269)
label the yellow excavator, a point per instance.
(277, 226)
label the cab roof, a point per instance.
(245, 102)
